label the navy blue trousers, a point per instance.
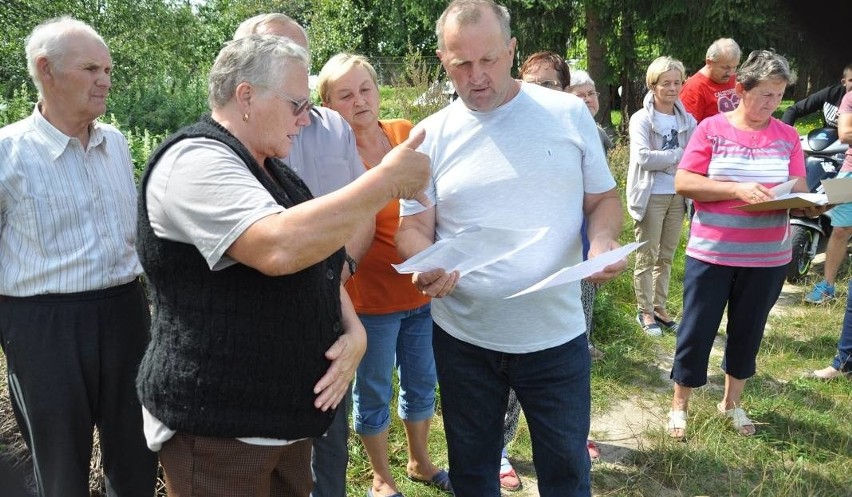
(748, 293)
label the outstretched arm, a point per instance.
(307, 233)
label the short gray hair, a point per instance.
(580, 77)
(469, 12)
(723, 47)
(50, 40)
(259, 60)
(253, 24)
(763, 65)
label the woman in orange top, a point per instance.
(396, 316)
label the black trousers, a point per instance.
(72, 361)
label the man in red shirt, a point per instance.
(711, 90)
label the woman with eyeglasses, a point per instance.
(396, 316)
(583, 86)
(546, 69)
(659, 132)
(253, 341)
(735, 260)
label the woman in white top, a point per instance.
(658, 134)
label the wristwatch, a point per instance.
(352, 263)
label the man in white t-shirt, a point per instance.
(510, 155)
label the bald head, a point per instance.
(467, 12)
(273, 24)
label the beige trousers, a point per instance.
(660, 228)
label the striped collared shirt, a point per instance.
(67, 215)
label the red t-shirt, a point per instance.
(704, 97)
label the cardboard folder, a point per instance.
(837, 191)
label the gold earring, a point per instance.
(245, 117)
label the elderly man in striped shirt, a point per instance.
(73, 316)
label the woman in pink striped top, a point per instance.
(734, 258)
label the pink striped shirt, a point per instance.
(730, 237)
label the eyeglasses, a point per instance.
(299, 106)
(591, 94)
(548, 83)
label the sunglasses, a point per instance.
(299, 106)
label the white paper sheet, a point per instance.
(471, 249)
(838, 190)
(582, 270)
(784, 188)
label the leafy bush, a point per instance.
(422, 97)
(18, 107)
(142, 144)
(160, 106)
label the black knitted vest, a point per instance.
(235, 353)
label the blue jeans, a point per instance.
(330, 454)
(552, 386)
(843, 359)
(401, 340)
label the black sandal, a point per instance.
(671, 325)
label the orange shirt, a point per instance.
(376, 287)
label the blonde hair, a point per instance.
(662, 65)
(336, 67)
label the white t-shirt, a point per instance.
(526, 164)
(666, 125)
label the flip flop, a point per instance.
(594, 451)
(440, 480)
(508, 477)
